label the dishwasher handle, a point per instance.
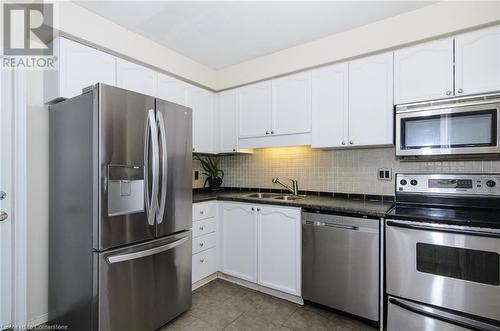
(332, 225)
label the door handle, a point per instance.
(3, 216)
(147, 252)
(151, 135)
(164, 169)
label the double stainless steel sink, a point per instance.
(275, 196)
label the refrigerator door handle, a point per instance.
(148, 252)
(163, 167)
(151, 136)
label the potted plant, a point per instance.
(211, 167)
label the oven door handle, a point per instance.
(417, 226)
(443, 315)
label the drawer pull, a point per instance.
(201, 228)
(202, 260)
(201, 244)
(201, 212)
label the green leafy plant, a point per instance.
(211, 167)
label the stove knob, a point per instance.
(413, 182)
(403, 182)
(491, 183)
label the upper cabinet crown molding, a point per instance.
(78, 66)
(135, 77)
(424, 72)
(477, 61)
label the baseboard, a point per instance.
(250, 285)
(39, 320)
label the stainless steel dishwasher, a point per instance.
(340, 262)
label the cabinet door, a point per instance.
(79, 66)
(228, 121)
(204, 119)
(172, 89)
(330, 106)
(371, 101)
(255, 110)
(291, 104)
(135, 78)
(239, 241)
(279, 249)
(477, 56)
(424, 72)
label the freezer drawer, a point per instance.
(412, 316)
(144, 286)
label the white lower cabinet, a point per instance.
(239, 240)
(204, 264)
(262, 244)
(204, 240)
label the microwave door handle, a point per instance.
(163, 167)
(147, 252)
(442, 315)
(151, 137)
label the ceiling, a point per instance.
(223, 33)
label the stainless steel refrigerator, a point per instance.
(120, 211)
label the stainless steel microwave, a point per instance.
(457, 127)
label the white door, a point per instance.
(371, 105)
(135, 77)
(79, 66)
(172, 89)
(424, 72)
(203, 104)
(5, 199)
(291, 104)
(330, 101)
(477, 56)
(255, 110)
(239, 241)
(228, 121)
(279, 238)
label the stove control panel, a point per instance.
(467, 184)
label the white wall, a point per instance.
(425, 23)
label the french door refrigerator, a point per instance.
(120, 211)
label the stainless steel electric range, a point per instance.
(443, 253)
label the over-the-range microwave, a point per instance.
(449, 128)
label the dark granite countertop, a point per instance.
(319, 202)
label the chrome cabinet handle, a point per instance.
(164, 168)
(3, 195)
(272, 132)
(343, 143)
(253, 208)
(448, 92)
(147, 252)
(3, 216)
(202, 260)
(234, 149)
(351, 142)
(151, 136)
(460, 90)
(201, 244)
(201, 228)
(267, 132)
(258, 209)
(201, 212)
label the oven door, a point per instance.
(448, 131)
(450, 267)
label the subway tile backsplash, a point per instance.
(346, 171)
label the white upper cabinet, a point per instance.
(424, 72)
(204, 119)
(279, 259)
(330, 106)
(477, 61)
(371, 104)
(239, 241)
(255, 110)
(172, 89)
(79, 66)
(135, 77)
(228, 121)
(291, 104)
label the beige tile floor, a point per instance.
(221, 305)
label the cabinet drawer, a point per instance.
(203, 210)
(203, 227)
(203, 243)
(203, 264)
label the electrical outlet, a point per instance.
(384, 174)
(196, 175)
